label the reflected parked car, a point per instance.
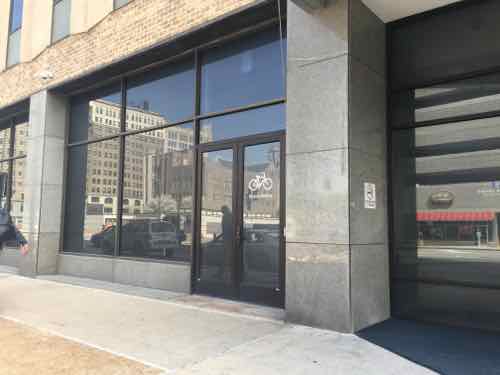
(104, 237)
(140, 236)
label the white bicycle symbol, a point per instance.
(259, 182)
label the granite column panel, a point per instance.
(44, 176)
(335, 143)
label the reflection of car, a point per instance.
(140, 235)
(98, 239)
(259, 235)
(260, 250)
(156, 237)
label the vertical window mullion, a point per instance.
(121, 168)
(197, 91)
(196, 141)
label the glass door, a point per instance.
(261, 240)
(216, 224)
(239, 247)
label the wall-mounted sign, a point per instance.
(370, 196)
(442, 198)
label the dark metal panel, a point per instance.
(456, 40)
(121, 171)
(196, 175)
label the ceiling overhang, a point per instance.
(311, 4)
(391, 10)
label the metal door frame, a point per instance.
(238, 146)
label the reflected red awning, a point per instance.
(455, 216)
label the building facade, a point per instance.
(337, 159)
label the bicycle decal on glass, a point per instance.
(260, 182)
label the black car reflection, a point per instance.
(260, 249)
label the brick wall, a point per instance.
(141, 24)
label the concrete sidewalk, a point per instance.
(189, 334)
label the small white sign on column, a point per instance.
(370, 196)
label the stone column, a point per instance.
(337, 258)
(43, 182)
(369, 261)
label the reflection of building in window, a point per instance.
(17, 181)
(157, 163)
(447, 177)
(102, 163)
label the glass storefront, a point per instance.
(131, 164)
(446, 205)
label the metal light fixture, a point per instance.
(45, 75)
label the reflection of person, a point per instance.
(9, 232)
(227, 237)
(420, 238)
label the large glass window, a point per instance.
(241, 124)
(467, 97)
(471, 97)
(61, 19)
(12, 165)
(92, 198)
(131, 164)
(15, 26)
(96, 116)
(446, 212)
(158, 194)
(16, 15)
(246, 72)
(161, 97)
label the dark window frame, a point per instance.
(195, 56)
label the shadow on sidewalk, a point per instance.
(446, 350)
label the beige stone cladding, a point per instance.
(140, 24)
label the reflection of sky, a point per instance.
(169, 92)
(17, 15)
(113, 98)
(246, 72)
(262, 120)
(262, 154)
(255, 156)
